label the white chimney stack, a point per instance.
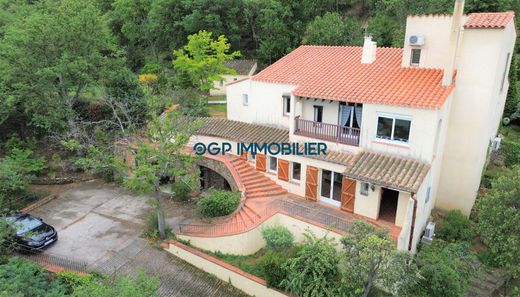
(369, 51)
(456, 23)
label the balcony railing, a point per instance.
(329, 132)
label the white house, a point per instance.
(243, 70)
(407, 129)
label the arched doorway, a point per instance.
(209, 178)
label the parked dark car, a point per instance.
(32, 234)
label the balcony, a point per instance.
(328, 132)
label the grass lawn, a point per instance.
(217, 98)
(218, 110)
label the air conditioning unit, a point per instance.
(416, 40)
(429, 233)
(495, 143)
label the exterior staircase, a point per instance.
(257, 184)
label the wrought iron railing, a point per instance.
(329, 132)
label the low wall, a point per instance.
(242, 280)
(251, 241)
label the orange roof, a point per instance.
(336, 73)
(489, 20)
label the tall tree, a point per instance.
(276, 37)
(202, 60)
(332, 29)
(51, 57)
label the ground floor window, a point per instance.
(273, 164)
(296, 171)
(331, 187)
(364, 189)
(251, 157)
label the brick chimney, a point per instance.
(369, 51)
(456, 23)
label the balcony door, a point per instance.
(349, 119)
(330, 187)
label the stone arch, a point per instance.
(219, 168)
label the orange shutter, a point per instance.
(348, 194)
(283, 170)
(311, 183)
(244, 156)
(260, 162)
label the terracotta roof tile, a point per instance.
(489, 20)
(242, 132)
(388, 170)
(336, 73)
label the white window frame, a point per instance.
(393, 117)
(286, 105)
(330, 200)
(411, 56)
(292, 177)
(269, 167)
(245, 99)
(251, 157)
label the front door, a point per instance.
(330, 190)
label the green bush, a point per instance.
(73, 280)
(277, 237)
(272, 268)
(182, 191)
(454, 226)
(510, 151)
(215, 203)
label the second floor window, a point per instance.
(286, 105)
(416, 57)
(245, 99)
(393, 128)
(318, 113)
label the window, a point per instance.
(393, 128)
(221, 83)
(273, 164)
(505, 72)
(245, 99)
(318, 113)
(296, 171)
(428, 191)
(364, 189)
(415, 57)
(251, 157)
(286, 105)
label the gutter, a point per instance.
(412, 227)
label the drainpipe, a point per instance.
(412, 227)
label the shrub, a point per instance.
(151, 227)
(215, 203)
(511, 152)
(182, 191)
(278, 237)
(272, 267)
(454, 227)
(73, 280)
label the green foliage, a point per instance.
(215, 203)
(6, 235)
(202, 59)
(73, 280)
(277, 237)
(454, 226)
(120, 286)
(181, 190)
(314, 270)
(498, 220)
(272, 264)
(19, 277)
(513, 95)
(332, 29)
(510, 149)
(445, 269)
(191, 102)
(277, 38)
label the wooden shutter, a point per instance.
(243, 156)
(260, 162)
(348, 194)
(311, 183)
(283, 170)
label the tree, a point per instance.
(513, 95)
(202, 59)
(371, 257)
(275, 35)
(159, 154)
(498, 220)
(332, 29)
(52, 57)
(314, 271)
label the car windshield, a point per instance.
(25, 224)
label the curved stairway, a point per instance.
(256, 207)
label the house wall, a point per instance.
(475, 114)
(265, 103)
(436, 31)
(227, 78)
